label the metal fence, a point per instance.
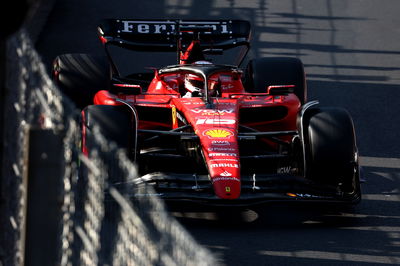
(47, 204)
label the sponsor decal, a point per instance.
(225, 173)
(220, 142)
(174, 117)
(225, 159)
(225, 78)
(231, 165)
(221, 149)
(284, 170)
(193, 103)
(151, 27)
(227, 103)
(222, 154)
(211, 112)
(218, 133)
(218, 121)
(225, 178)
(145, 28)
(227, 87)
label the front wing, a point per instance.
(254, 190)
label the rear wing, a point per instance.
(167, 35)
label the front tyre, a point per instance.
(330, 150)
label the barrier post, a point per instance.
(44, 196)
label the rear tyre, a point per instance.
(263, 72)
(80, 76)
(331, 151)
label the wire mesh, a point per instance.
(106, 218)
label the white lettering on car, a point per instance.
(143, 28)
(221, 149)
(146, 27)
(211, 112)
(231, 165)
(220, 142)
(224, 28)
(210, 121)
(158, 28)
(127, 26)
(284, 170)
(225, 159)
(215, 154)
(224, 178)
(227, 87)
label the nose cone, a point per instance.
(217, 131)
(224, 169)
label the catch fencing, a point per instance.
(49, 208)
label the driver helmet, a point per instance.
(194, 85)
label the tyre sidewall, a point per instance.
(330, 147)
(80, 76)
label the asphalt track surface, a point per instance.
(351, 53)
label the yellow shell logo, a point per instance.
(217, 133)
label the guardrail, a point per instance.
(50, 214)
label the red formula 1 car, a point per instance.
(211, 132)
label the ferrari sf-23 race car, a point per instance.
(209, 132)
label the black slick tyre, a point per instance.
(80, 76)
(331, 151)
(263, 72)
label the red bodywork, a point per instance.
(216, 127)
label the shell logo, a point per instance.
(218, 133)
